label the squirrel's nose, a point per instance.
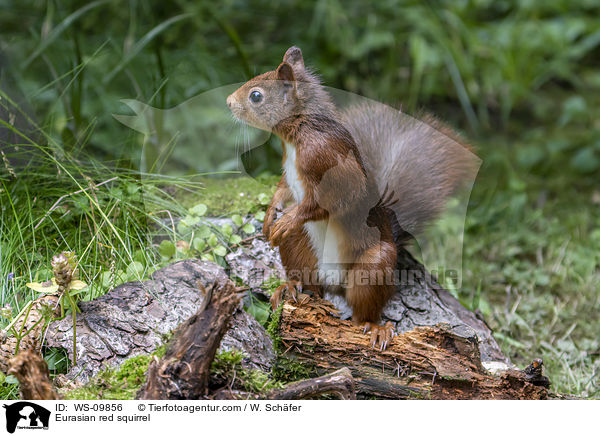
(230, 101)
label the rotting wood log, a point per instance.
(427, 362)
(183, 373)
(30, 368)
(339, 383)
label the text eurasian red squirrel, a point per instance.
(357, 184)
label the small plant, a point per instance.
(9, 387)
(66, 285)
(45, 313)
(197, 237)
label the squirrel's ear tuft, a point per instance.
(293, 56)
(285, 72)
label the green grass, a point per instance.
(53, 202)
(534, 273)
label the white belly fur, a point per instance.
(323, 238)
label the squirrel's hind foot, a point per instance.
(381, 335)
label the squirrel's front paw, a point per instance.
(268, 221)
(381, 335)
(281, 229)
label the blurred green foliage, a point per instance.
(521, 67)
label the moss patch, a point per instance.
(227, 368)
(288, 370)
(225, 196)
(119, 383)
(273, 328)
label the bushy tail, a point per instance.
(422, 162)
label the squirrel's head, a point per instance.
(291, 89)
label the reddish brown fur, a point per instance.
(299, 260)
(368, 300)
(282, 196)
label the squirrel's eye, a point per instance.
(256, 97)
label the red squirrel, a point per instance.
(357, 182)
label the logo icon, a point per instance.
(26, 415)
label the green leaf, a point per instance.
(198, 244)
(237, 220)
(135, 270)
(191, 220)
(249, 229)
(77, 285)
(182, 227)
(140, 256)
(226, 229)
(213, 240)
(220, 251)
(263, 199)
(199, 209)
(48, 287)
(207, 257)
(260, 216)
(166, 249)
(235, 239)
(259, 310)
(72, 293)
(202, 232)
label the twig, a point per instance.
(339, 383)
